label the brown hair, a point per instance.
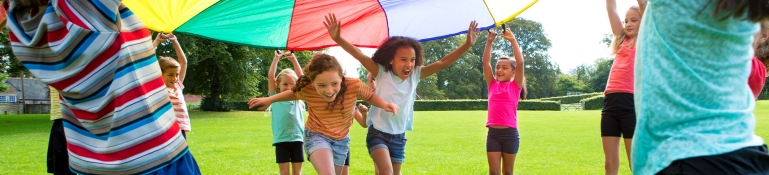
(512, 61)
(318, 64)
(617, 43)
(386, 52)
(762, 50)
(753, 10)
(167, 62)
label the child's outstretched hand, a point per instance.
(278, 53)
(162, 37)
(508, 35)
(362, 108)
(170, 36)
(472, 33)
(391, 107)
(492, 35)
(261, 103)
(333, 26)
(289, 54)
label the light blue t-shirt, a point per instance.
(392, 88)
(287, 121)
(691, 95)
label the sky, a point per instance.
(575, 30)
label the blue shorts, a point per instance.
(186, 164)
(339, 148)
(394, 143)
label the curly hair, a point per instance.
(167, 62)
(318, 64)
(386, 52)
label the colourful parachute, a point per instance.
(298, 24)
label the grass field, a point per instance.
(443, 142)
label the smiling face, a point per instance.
(504, 70)
(170, 76)
(327, 84)
(632, 21)
(404, 61)
(286, 83)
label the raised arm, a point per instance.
(642, 6)
(614, 21)
(271, 86)
(519, 76)
(180, 56)
(158, 39)
(334, 26)
(297, 67)
(487, 74)
(361, 114)
(446, 61)
(263, 103)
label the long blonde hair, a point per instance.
(617, 43)
(283, 73)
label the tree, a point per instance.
(9, 64)
(596, 75)
(541, 73)
(464, 79)
(568, 83)
(223, 72)
(3, 85)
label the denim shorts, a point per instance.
(394, 143)
(339, 148)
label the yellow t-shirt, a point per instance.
(55, 107)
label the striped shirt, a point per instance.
(98, 55)
(334, 124)
(180, 108)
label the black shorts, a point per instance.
(748, 160)
(503, 140)
(58, 158)
(618, 115)
(289, 152)
(347, 161)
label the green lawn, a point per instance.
(445, 142)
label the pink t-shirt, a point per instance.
(503, 104)
(757, 76)
(621, 74)
(180, 107)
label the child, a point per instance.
(695, 111)
(331, 99)
(98, 55)
(757, 76)
(57, 158)
(618, 114)
(397, 67)
(173, 75)
(287, 117)
(504, 86)
(361, 114)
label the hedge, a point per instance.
(450, 105)
(481, 104)
(572, 98)
(593, 103)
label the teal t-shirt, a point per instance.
(287, 121)
(692, 97)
